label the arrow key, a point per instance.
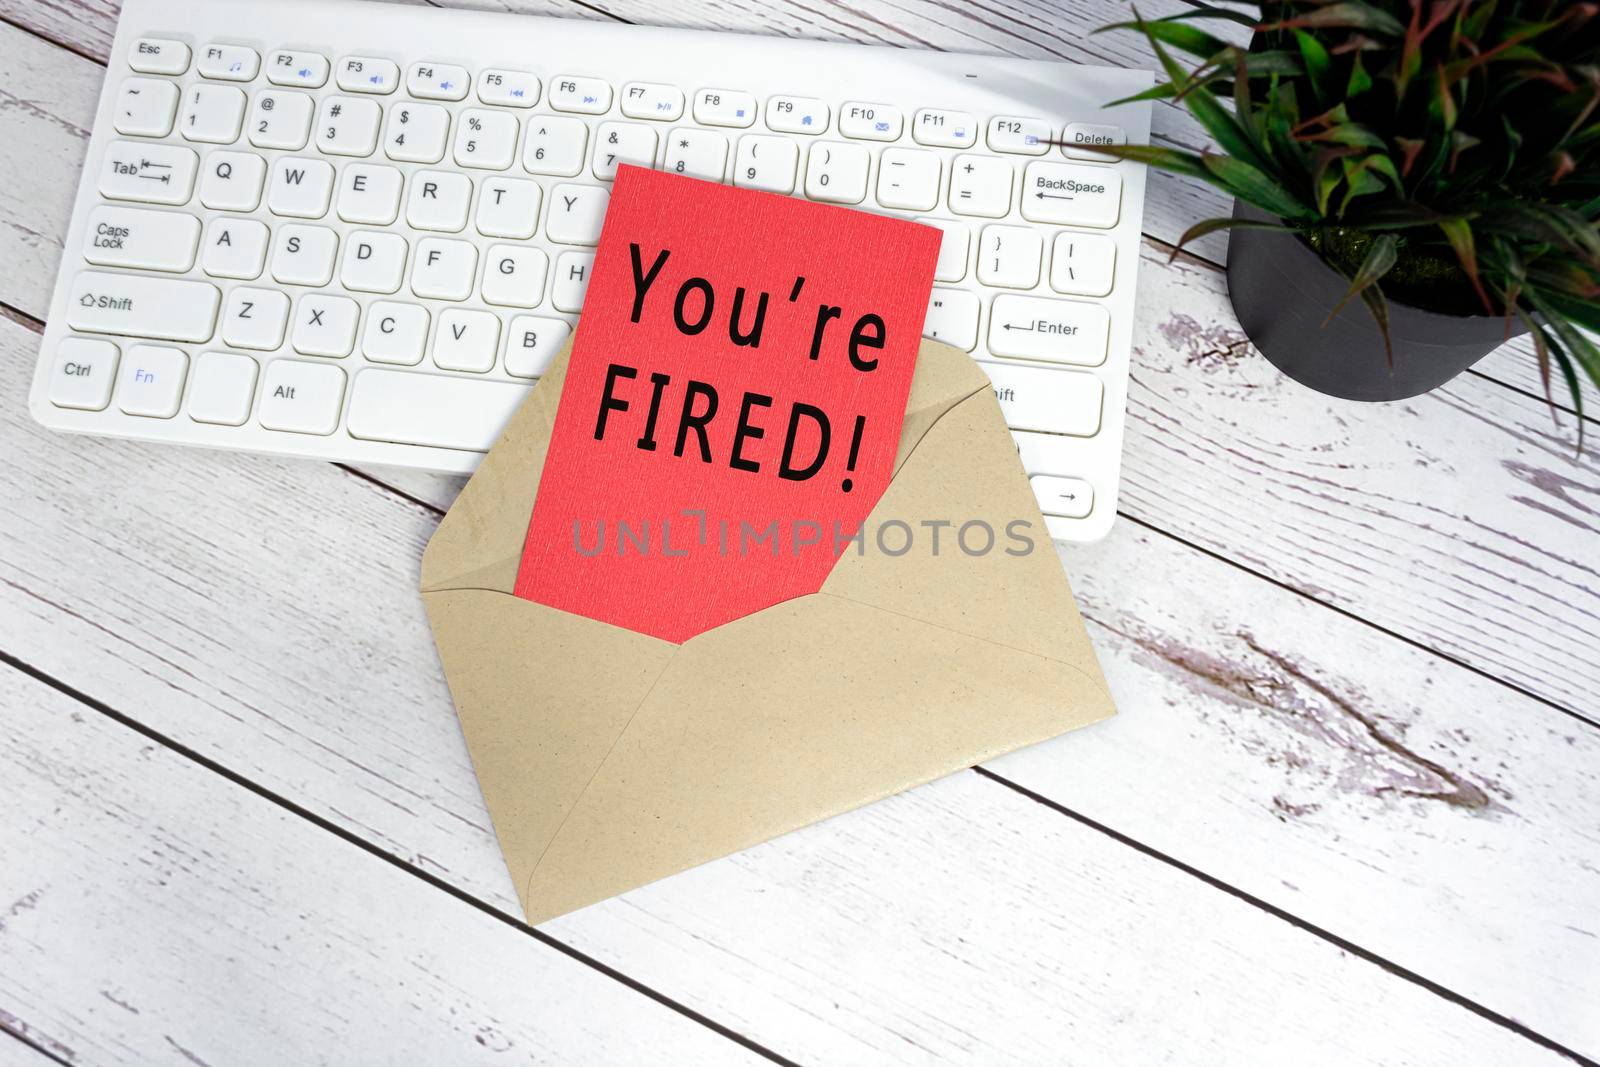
(1070, 498)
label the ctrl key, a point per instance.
(83, 374)
(301, 397)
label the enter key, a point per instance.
(1056, 331)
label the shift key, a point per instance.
(1056, 331)
(163, 309)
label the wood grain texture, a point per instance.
(153, 898)
(16, 1052)
(1462, 519)
(289, 645)
(156, 913)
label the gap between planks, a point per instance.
(504, 917)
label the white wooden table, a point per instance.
(1350, 812)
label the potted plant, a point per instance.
(1439, 160)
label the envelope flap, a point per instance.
(479, 542)
(810, 708)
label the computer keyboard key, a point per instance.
(508, 207)
(1079, 136)
(308, 70)
(437, 81)
(304, 255)
(439, 200)
(300, 188)
(981, 185)
(1071, 194)
(871, 122)
(576, 214)
(508, 88)
(1070, 498)
(325, 325)
(444, 270)
(222, 388)
(1045, 400)
(532, 342)
(229, 62)
(908, 178)
(1010, 256)
(158, 55)
(1057, 331)
(374, 262)
(149, 173)
(697, 153)
(212, 114)
(300, 397)
(1015, 133)
(416, 133)
(431, 409)
(797, 114)
(766, 163)
(466, 340)
(616, 143)
(83, 374)
(1083, 264)
(554, 146)
(280, 119)
(953, 249)
(836, 172)
(235, 248)
(162, 309)
(514, 275)
(652, 100)
(395, 333)
(724, 107)
(364, 74)
(369, 194)
(146, 107)
(944, 129)
(348, 126)
(584, 96)
(952, 318)
(147, 240)
(255, 318)
(486, 140)
(572, 280)
(232, 181)
(150, 382)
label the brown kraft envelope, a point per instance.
(609, 759)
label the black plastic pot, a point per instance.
(1282, 292)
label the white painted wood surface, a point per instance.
(148, 931)
(1427, 815)
(158, 913)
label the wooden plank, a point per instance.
(157, 913)
(1461, 519)
(287, 642)
(155, 900)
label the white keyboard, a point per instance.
(358, 231)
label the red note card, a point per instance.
(732, 405)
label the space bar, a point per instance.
(430, 409)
